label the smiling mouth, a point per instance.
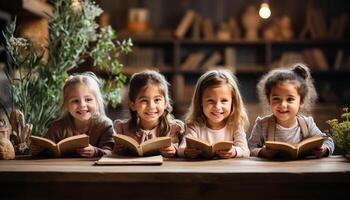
(217, 114)
(151, 114)
(83, 112)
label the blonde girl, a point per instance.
(150, 110)
(217, 113)
(82, 112)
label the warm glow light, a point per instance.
(264, 11)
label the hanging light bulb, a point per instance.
(264, 11)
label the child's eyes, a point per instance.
(290, 99)
(74, 101)
(158, 100)
(89, 99)
(275, 99)
(224, 101)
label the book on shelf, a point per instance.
(213, 60)
(149, 147)
(185, 24)
(208, 150)
(230, 58)
(125, 160)
(66, 146)
(302, 149)
(192, 61)
(196, 28)
(208, 30)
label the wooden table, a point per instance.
(78, 178)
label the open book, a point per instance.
(300, 150)
(122, 160)
(64, 147)
(149, 147)
(208, 150)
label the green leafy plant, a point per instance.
(340, 130)
(74, 36)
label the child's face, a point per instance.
(216, 105)
(81, 103)
(149, 105)
(284, 103)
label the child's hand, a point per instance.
(267, 153)
(36, 149)
(231, 153)
(88, 151)
(119, 149)
(192, 153)
(168, 152)
(320, 152)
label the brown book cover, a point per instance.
(208, 30)
(208, 151)
(300, 150)
(192, 61)
(185, 24)
(149, 147)
(213, 60)
(63, 147)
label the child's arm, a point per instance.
(267, 153)
(88, 151)
(321, 151)
(175, 131)
(105, 142)
(328, 145)
(240, 144)
(231, 153)
(257, 138)
(183, 151)
(168, 152)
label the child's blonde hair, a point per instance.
(90, 80)
(140, 81)
(299, 75)
(238, 117)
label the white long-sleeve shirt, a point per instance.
(212, 136)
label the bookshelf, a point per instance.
(254, 58)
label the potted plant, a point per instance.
(340, 131)
(74, 37)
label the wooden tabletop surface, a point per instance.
(83, 169)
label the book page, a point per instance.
(70, 144)
(284, 149)
(222, 145)
(153, 145)
(207, 150)
(124, 160)
(306, 146)
(44, 143)
(127, 141)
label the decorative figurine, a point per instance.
(7, 151)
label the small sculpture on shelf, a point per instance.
(7, 151)
(251, 23)
(280, 29)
